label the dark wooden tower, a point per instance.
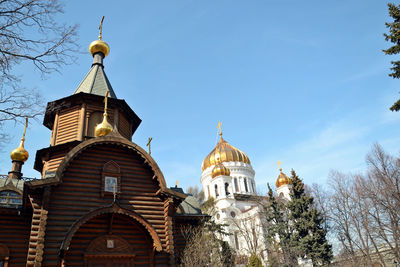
(101, 200)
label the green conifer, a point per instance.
(394, 37)
(254, 261)
(308, 238)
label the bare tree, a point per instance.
(364, 211)
(196, 192)
(30, 32)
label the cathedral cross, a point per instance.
(149, 144)
(279, 164)
(219, 127)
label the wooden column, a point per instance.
(82, 122)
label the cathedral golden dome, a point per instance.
(99, 46)
(224, 152)
(220, 169)
(282, 179)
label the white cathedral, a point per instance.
(228, 177)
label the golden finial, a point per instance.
(20, 154)
(149, 144)
(176, 183)
(220, 128)
(99, 45)
(279, 164)
(104, 127)
(101, 27)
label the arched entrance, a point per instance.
(110, 240)
(109, 251)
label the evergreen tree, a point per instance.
(278, 232)
(308, 238)
(254, 261)
(394, 37)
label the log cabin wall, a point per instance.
(14, 232)
(80, 193)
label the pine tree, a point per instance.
(394, 37)
(308, 238)
(278, 232)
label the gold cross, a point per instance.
(105, 102)
(279, 164)
(26, 126)
(149, 144)
(219, 127)
(101, 27)
(176, 183)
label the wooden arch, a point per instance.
(115, 208)
(115, 140)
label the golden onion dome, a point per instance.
(20, 154)
(103, 128)
(220, 169)
(224, 152)
(99, 46)
(282, 179)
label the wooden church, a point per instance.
(102, 200)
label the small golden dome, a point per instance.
(220, 169)
(99, 46)
(20, 154)
(282, 179)
(224, 152)
(103, 128)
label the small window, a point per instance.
(111, 179)
(10, 198)
(236, 184)
(110, 184)
(245, 185)
(216, 191)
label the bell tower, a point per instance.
(73, 119)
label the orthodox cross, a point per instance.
(279, 164)
(176, 183)
(149, 144)
(26, 126)
(219, 127)
(101, 27)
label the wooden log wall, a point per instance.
(121, 226)
(14, 233)
(80, 193)
(124, 127)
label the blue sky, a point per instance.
(303, 82)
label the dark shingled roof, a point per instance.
(96, 81)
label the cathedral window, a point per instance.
(245, 185)
(227, 189)
(236, 184)
(236, 240)
(216, 191)
(252, 186)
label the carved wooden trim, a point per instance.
(115, 208)
(111, 140)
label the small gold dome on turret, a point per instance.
(20, 154)
(99, 46)
(282, 179)
(220, 169)
(103, 128)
